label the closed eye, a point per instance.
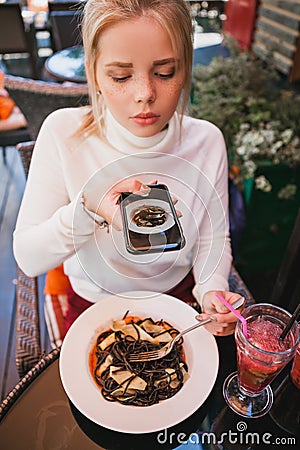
(121, 79)
(164, 75)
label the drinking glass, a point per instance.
(260, 357)
(295, 372)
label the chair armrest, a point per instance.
(28, 342)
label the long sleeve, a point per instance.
(45, 228)
(212, 267)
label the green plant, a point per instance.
(259, 117)
(267, 143)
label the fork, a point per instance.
(166, 349)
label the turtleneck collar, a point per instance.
(127, 143)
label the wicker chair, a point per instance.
(37, 99)
(28, 340)
(9, 138)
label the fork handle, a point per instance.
(237, 304)
(197, 325)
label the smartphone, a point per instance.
(150, 223)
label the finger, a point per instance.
(219, 306)
(219, 319)
(224, 333)
(117, 220)
(130, 185)
(228, 317)
(178, 213)
(222, 330)
(143, 191)
(212, 326)
(204, 316)
(174, 200)
(216, 305)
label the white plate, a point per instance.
(132, 207)
(201, 356)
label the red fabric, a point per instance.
(183, 290)
(77, 304)
(59, 317)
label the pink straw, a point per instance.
(235, 312)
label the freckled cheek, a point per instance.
(114, 93)
(174, 87)
(173, 91)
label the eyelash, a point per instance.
(160, 75)
(120, 80)
(165, 75)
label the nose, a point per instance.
(145, 91)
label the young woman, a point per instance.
(138, 59)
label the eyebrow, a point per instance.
(160, 62)
(118, 64)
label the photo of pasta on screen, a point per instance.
(137, 383)
(149, 216)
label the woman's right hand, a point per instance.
(225, 321)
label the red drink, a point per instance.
(257, 369)
(295, 372)
(260, 357)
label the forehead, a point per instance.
(137, 39)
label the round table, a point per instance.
(67, 65)
(37, 414)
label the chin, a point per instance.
(146, 131)
(145, 134)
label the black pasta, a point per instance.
(161, 384)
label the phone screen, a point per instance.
(150, 223)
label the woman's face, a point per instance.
(139, 75)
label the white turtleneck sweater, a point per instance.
(52, 228)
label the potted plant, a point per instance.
(258, 113)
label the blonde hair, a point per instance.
(174, 17)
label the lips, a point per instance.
(145, 118)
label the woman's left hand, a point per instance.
(225, 321)
(108, 207)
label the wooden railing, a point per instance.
(277, 31)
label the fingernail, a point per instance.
(143, 191)
(199, 317)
